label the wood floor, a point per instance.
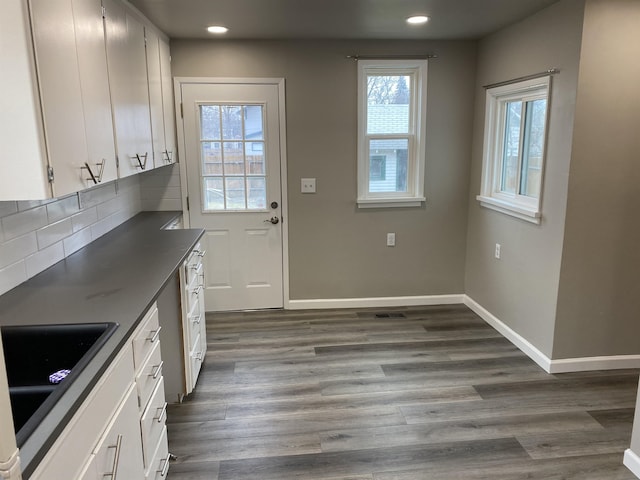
(433, 393)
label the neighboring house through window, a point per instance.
(391, 132)
(514, 148)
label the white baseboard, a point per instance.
(613, 362)
(562, 365)
(518, 340)
(632, 462)
(375, 302)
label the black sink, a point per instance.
(33, 352)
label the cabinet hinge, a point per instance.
(187, 203)
(181, 111)
(104, 12)
(50, 173)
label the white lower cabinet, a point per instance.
(119, 431)
(118, 454)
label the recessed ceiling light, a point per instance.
(217, 29)
(417, 20)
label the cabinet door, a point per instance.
(94, 82)
(170, 153)
(120, 448)
(126, 60)
(155, 96)
(60, 90)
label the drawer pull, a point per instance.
(157, 370)
(96, 178)
(197, 319)
(201, 253)
(198, 290)
(155, 335)
(163, 413)
(165, 468)
(199, 356)
(116, 459)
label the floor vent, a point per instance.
(391, 315)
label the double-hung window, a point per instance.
(514, 148)
(391, 132)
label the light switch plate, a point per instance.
(308, 185)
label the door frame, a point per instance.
(178, 82)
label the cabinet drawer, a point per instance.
(194, 266)
(152, 422)
(146, 337)
(149, 376)
(159, 465)
(196, 358)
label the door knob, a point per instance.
(274, 204)
(274, 220)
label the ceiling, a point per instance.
(336, 19)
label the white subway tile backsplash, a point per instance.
(43, 259)
(108, 208)
(54, 233)
(63, 208)
(94, 196)
(23, 222)
(18, 248)
(12, 276)
(28, 204)
(84, 219)
(7, 208)
(76, 241)
(101, 227)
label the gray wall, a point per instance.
(599, 296)
(336, 250)
(521, 288)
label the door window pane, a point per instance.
(395, 153)
(388, 100)
(211, 158)
(233, 158)
(213, 193)
(231, 122)
(234, 193)
(253, 129)
(257, 192)
(511, 147)
(210, 122)
(255, 158)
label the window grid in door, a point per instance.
(233, 157)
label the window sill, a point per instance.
(390, 202)
(523, 213)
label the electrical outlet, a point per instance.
(391, 239)
(497, 254)
(308, 185)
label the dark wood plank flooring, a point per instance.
(433, 394)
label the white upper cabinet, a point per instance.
(160, 99)
(126, 59)
(155, 95)
(171, 152)
(57, 120)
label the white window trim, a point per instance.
(417, 149)
(519, 206)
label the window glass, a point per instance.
(394, 152)
(533, 148)
(388, 100)
(234, 169)
(511, 147)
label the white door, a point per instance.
(233, 157)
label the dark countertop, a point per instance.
(116, 278)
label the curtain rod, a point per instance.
(551, 71)
(391, 57)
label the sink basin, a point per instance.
(33, 352)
